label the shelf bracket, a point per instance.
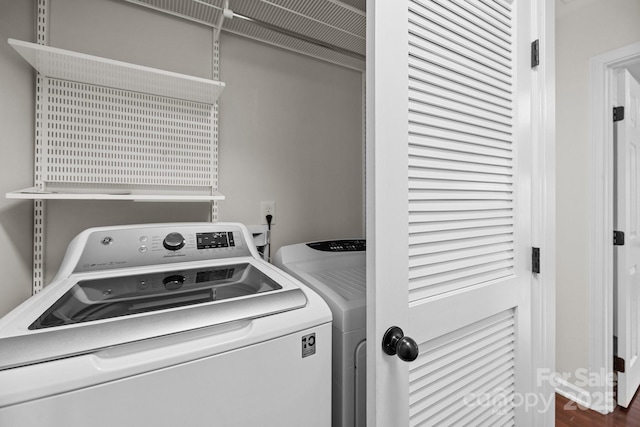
(215, 55)
(226, 14)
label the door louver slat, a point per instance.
(487, 13)
(417, 250)
(432, 106)
(426, 60)
(452, 165)
(440, 257)
(433, 96)
(441, 34)
(426, 141)
(417, 173)
(430, 227)
(467, 367)
(426, 217)
(429, 286)
(430, 184)
(418, 131)
(458, 205)
(424, 72)
(461, 22)
(484, 72)
(426, 91)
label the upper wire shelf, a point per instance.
(79, 67)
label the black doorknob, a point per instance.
(394, 342)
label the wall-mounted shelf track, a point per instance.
(112, 130)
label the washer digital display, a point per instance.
(215, 240)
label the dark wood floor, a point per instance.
(569, 413)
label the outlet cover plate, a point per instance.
(267, 208)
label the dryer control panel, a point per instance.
(107, 248)
(352, 245)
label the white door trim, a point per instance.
(601, 100)
(543, 301)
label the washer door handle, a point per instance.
(395, 342)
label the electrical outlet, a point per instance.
(268, 208)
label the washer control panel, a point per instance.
(352, 245)
(107, 248)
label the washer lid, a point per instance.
(104, 298)
(99, 313)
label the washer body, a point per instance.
(165, 325)
(336, 270)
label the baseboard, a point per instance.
(573, 392)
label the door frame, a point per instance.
(602, 96)
(543, 218)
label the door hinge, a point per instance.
(618, 238)
(618, 114)
(618, 364)
(535, 53)
(535, 260)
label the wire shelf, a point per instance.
(78, 67)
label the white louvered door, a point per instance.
(627, 256)
(449, 210)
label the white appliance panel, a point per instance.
(265, 384)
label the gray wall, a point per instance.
(290, 131)
(583, 30)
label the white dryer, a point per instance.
(336, 269)
(167, 325)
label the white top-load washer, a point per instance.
(167, 325)
(336, 269)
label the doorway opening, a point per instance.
(603, 97)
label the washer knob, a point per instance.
(173, 241)
(174, 282)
